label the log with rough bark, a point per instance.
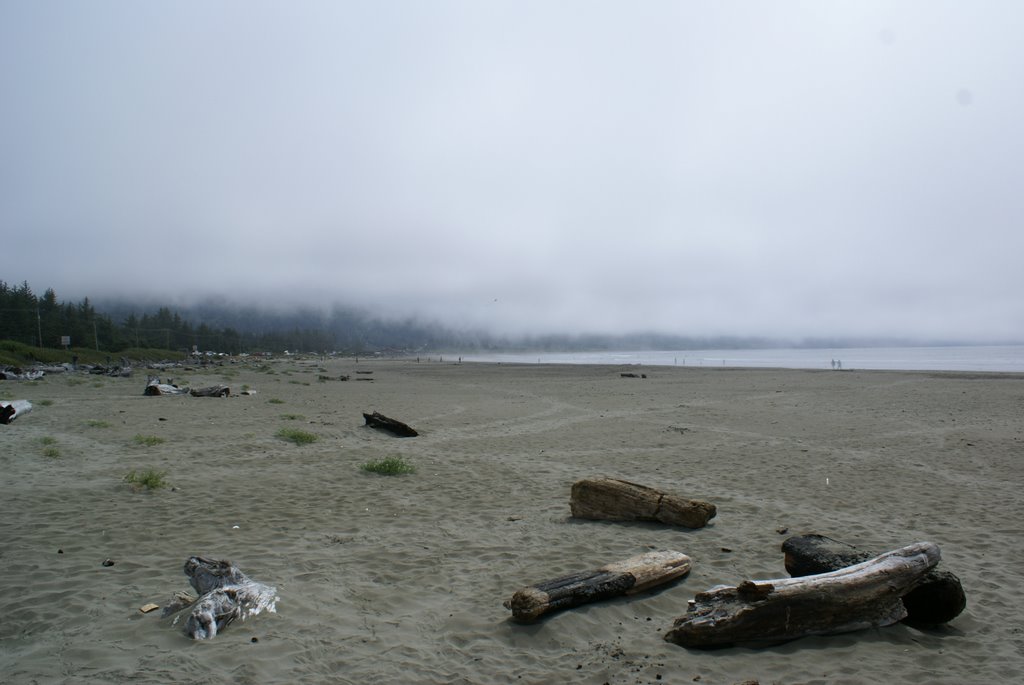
(856, 597)
(618, 500)
(225, 594)
(626, 577)
(381, 422)
(13, 409)
(155, 388)
(212, 391)
(939, 598)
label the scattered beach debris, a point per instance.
(14, 373)
(938, 598)
(633, 375)
(13, 409)
(853, 598)
(155, 388)
(146, 608)
(611, 499)
(381, 422)
(225, 594)
(211, 391)
(626, 577)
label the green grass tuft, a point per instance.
(45, 403)
(392, 466)
(297, 436)
(48, 440)
(94, 423)
(51, 452)
(147, 440)
(151, 479)
(292, 417)
(274, 400)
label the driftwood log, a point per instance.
(856, 597)
(13, 409)
(626, 577)
(381, 422)
(618, 500)
(212, 391)
(155, 388)
(939, 598)
(225, 594)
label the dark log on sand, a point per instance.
(212, 391)
(13, 409)
(856, 597)
(627, 577)
(381, 422)
(225, 594)
(618, 500)
(939, 598)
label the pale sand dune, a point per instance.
(402, 579)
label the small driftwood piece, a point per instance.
(225, 594)
(13, 409)
(155, 388)
(856, 597)
(212, 391)
(618, 500)
(939, 598)
(381, 422)
(626, 577)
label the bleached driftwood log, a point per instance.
(225, 594)
(856, 597)
(618, 500)
(212, 391)
(13, 409)
(626, 577)
(154, 388)
(938, 598)
(381, 422)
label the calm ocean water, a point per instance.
(966, 358)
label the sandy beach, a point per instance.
(401, 578)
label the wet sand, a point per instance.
(402, 579)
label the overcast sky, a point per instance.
(745, 168)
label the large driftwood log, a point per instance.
(629, 576)
(618, 500)
(225, 594)
(13, 409)
(856, 597)
(381, 422)
(155, 388)
(938, 598)
(212, 391)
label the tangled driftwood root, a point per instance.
(225, 594)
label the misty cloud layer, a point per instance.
(778, 168)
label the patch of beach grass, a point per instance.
(147, 440)
(299, 437)
(150, 479)
(96, 423)
(45, 403)
(51, 452)
(48, 440)
(391, 466)
(292, 417)
(274, 400)
(75, 381)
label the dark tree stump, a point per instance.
(630, 576)
(938, 598)
(381, 422)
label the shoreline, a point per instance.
(403, 578)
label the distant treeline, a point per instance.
(47, 322)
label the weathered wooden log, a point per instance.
(381, 422)
(626, 577)
(155, 388)
(13, 409)
(856, 597)
(225, 594)
(212, 391)
(938, 598)
(618, 500)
